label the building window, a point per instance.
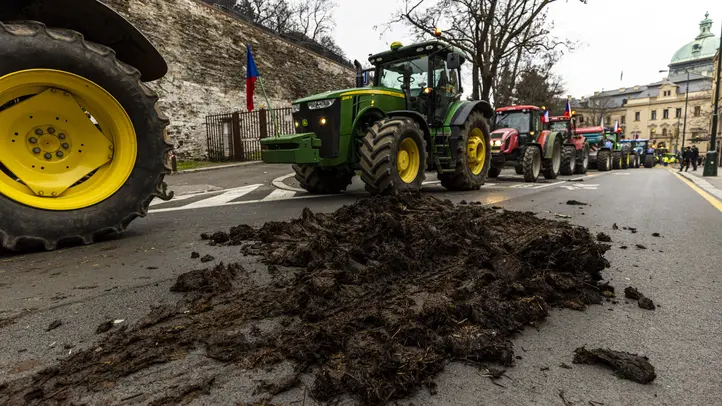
(665, 113)
(636, 116)
(664, 132)
(581, 119)
(697, 111)
(624, 119)
(678, 113)
(654, 114)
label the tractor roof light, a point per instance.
(437, 32)
(396, 45)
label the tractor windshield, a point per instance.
(518, 120)
(414, 73)
(559, 126)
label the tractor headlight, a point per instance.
(496, 143)
(321, 104)
(295, 108)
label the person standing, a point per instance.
(686, 156)
(695, 157)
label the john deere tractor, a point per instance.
(519, 141)
(411, 119)
(83, 143)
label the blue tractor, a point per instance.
(640, 153)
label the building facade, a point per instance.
(657, 111)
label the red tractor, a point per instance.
(518, 140)
(575, 153)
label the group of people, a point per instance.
(689, 155)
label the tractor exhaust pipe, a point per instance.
(359, 73)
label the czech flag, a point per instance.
(251, 77)
(616, 127)
(568, 110)
(545, 117)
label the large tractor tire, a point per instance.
(604, 160)
(494, 172)
(320, 180)
(649, 161)
(569, 160)
(625, 160)
(473, 156)
(519, 169)
(616, 159)
(583, 160)
(552, 166)
(393, 157)
(532, 163)
(83, 143)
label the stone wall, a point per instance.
(206, 54)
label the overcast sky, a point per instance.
(638, 37)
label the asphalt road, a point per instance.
(681, 270)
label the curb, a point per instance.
(213, 168)
(704, 185)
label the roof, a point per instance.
(412, 50)
(517, 108)
(704, 45)
(590, 130)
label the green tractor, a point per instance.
(621, 152)
(411, 119)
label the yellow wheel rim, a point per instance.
(65, 142)
(408, 160)
(476, 151)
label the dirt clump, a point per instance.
(625, 365)
(207, 258)
(104, 327)
(372, 301)
(643, 301)
(603, 237)
(576, 203)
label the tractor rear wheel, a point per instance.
(393, 157)
(552, 166)
(473, 156)
(649, 161)
(494, 172)
(625, 160)
(616, 159)
(320, 180)
(583, 160)
(569, 160)
(83, 149)
(604, 160)
(532, 163)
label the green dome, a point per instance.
(703, 47)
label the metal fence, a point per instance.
(236, 136)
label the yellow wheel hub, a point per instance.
(476, 151)
(408, 160)
(65, 142)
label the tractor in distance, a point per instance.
(640, 153)
(600, 153)
(411, 119)
(519, 141)
(575, 155)
(621, 153)
(84, 146)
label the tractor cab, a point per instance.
(564, 124)
(515, 126)
(427, 73)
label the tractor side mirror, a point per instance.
(452, 61)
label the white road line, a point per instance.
(279, 194)
(549, 184)
(223, 198)
(236, 203)
(431, 182)
(278, 183)
(157, 201)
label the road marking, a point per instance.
(157, 201)
(703, 184)
(548, 184)
(620, 173)
(224, 198)
(237, 203)
(431, 182)
(279, 194)
(580, 186)
(278, 183)
(522, 186)
(714, 202)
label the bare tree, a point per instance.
(315, 18)
(493, 33)
(598, 108)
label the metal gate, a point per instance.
(236, 136)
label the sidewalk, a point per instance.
(711, 184)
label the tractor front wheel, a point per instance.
(320, 180)
(531, 163)
(494, 172)
(617, 160)
(473, 156)
(582, 160)
(625, 160)
(569, 160)
(83, 146)
(649, 161)
(552, 166)
(604, 160)
(393, 157)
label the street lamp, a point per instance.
(710, 163)
(686, 101)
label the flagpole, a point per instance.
(273, 115)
